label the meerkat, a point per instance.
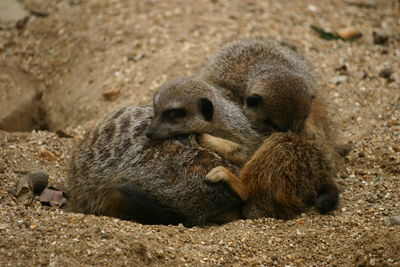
(285, 176)
(116, 171)
(234, 62)
(184, 105)
(278, 92)
(184, 96)
(275, 85)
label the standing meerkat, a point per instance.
(116, 171)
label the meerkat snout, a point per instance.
(166, 123)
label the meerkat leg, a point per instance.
(222, 174)
(228, 149)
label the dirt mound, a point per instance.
(65, 64)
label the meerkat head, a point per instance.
(278, 101)
(181, 106)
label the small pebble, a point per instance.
(394, 220)
(350, 33)
(111, 95)
(380, 39)
(385, 73)
(339, 79)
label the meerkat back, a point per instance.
(236, 62)
(116, 171)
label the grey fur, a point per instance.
(170, 171)
(228, 120)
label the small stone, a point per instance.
(22, 187)
(39, 13)
(363, 4)
(350, 33)
(21, 23)
(37, 181)
(62, 134)
(380, 39)
(361, 154)
(345, 149)
(339, 79)
(135, 58)
(385, 73)
(23, 192)
(51, 197)
(46, 154)
(342, 69)
(394, 220)
(111, 95)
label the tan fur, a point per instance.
(279, 95)
(283, 178)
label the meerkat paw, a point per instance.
(218, 174)
(206, 140)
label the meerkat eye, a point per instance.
(173, 114)
(253, 101)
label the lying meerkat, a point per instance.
(184, 97)
(184, 105)
(278, 93)
(275, 86)
(285, 176)
(260, 71)
(116, 171)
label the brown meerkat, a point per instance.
(117, 171)
(278, 91)
(285, 176)
(234, 62)
(184, 97)
(275, 85)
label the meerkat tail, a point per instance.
(328, 198)
(141, 207)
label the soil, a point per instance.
(58, 58)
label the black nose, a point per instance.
(149, 134)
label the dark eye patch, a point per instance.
(173, 114)
(253, 101)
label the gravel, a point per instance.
(81, 49)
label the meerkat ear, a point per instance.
(206, 108)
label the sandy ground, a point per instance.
(73, 51)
